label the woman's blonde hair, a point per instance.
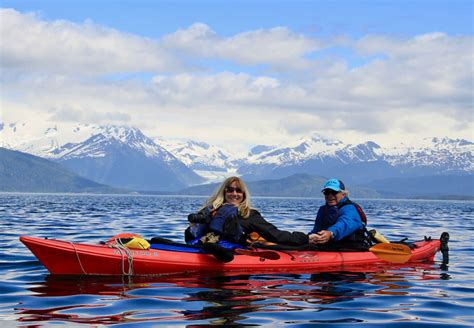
(218, 198)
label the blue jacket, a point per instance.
(342, 222)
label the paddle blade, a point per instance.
(269, 255)
(395, 253)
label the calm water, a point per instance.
(422, 295)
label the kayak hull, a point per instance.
(67, 258)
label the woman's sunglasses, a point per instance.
(232, 189)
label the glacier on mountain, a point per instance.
(314, 154)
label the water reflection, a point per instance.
(53, 314)
(208, 299)
(424, 295)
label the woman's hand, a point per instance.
(320, 237)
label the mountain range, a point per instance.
(21, 172)
(124, 157)
(364, 162)
(118, 156)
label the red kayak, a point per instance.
(63, 257)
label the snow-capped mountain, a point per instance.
(96, 145)
(211, 162)
(437, 154)
(124, 157)
(41, 139)
(199, 155)
(359, 163)
(118, 156)
(314, 147)
(313, 155)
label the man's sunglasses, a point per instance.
(232, 189)
(328, 192)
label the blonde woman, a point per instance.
(228, 215)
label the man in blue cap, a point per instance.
(339, 220)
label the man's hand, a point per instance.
(320, 237)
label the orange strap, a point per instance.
(254, 237)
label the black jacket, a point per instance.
(256, 223)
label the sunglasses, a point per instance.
(330, 192)
(232, 189)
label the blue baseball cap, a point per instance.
(334, 184)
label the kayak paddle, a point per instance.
(269, 255)
(221, 253)
(226, 255)
(390, 252)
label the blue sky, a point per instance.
(321, 18)
(356, 18)
(267, 71)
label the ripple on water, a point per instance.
(421, 295)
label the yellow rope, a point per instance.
(122, 249)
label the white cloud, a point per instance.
(276, 47)
(73, 114)
(30, 44)
(433, 68)
(405, 88)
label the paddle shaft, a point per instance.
(226, 254)
(269, 255)
(390, 252)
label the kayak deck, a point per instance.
(63, 257)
